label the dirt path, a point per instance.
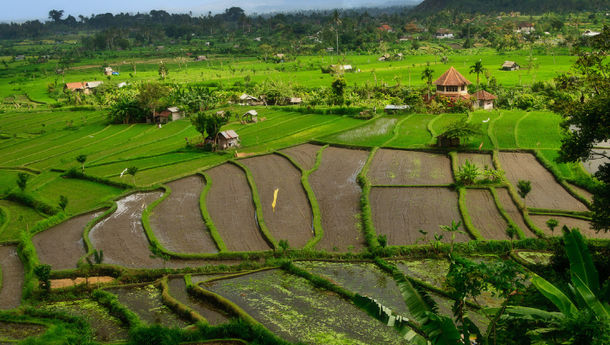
(304, 154)
(177, 221)
(399, 213)
(338, 194)
(61, 246)
(513, 212)
(584, 225)
(12, 277)
(479, 159)
(398, 167)
(546, 192)
(229, 202)
(485, 215)
(292, 218)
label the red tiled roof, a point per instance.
(164, 113)
(385, 27)
(75, 86)
(483, 95)
(452, 78)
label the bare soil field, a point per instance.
(292, 218)
(177, 289)
(62, 246)
(397, 167)
(485, 215)
(229, 202)
(479, 159)
(582, 192)
(338, 194)
(122, 238)
(304, 154)
(546, 192)
(121, 235)
(399, 213)
(177, 221)
(584, 226)
(12, 277)
(513, 211)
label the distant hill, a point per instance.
(523, 6)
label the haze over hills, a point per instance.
(21, 11)
(524, 6)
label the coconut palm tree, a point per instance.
(337, 20)
(427, 75)
(478, 69)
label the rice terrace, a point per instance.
(398, 173)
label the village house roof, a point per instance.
(508, 64)
(252, 112)
(245, 97)
(75, 86)
(230, 134)
(164, 113)
(396, 107)
(173, 109)
(526, 25)
(93, 84)
(385, 27)
(443, 31)
(295, 100)
(483, 95)
(452, 78)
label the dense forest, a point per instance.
(523, 6)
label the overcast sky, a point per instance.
(15, 10)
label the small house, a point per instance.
(108, 71)
(453, 85)
(75, 87)
(395, 109)
(246, 99)
(525, 28)
(227, 139)
(250, 116)
(443, 34)
(483, 100)
(221, 113)
(257, 39)
(295, 100)
(175, 113)
(386, 28)
(590, 33)
(510, 66)
(201, 58)
(93, 84)
(19, 57)
(162, 117)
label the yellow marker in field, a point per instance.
(274, 198)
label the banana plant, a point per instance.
(584, 296)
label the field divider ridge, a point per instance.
(313, 201)
(257, 205)
(115, 308)
(490, 131)
(89, 248)
(368, 227)
(516, 131)
(396, 129)
(430, 128)
(564, 213)
(517, 200)
(494, 195)
(207, 219)
(5, 216)
(468, 226)
(177, 306)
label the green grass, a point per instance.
(82, 195)
(19, 218)
(373, 133)
(504, 128)
(539, 130)
(413, 132)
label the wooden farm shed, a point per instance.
(296, 100)
(483, 100)
(108, 71)
(228, 139)
(510, 66)
(249, 100)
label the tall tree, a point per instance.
(210, 124)
(337, 21)
(477, 69)
(427, 75)
(150, 95)
(584, 103)
(56, 15)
